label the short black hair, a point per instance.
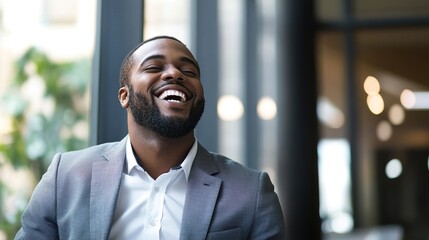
(128, 61)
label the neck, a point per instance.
(157, 154)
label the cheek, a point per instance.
(200, 90)
(141, 87)
(143, 81)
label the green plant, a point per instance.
(47, 104)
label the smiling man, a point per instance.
(158, 182)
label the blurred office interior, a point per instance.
(330, 97)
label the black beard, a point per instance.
(149, 116)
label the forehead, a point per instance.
(164, 47)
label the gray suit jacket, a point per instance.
(76, 198)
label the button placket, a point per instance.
(156, 203)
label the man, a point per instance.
(158, 182)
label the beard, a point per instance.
(149, 116)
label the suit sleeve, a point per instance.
(39, 218)
(269, 222)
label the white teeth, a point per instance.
(173, 93)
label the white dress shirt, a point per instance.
(148, 208)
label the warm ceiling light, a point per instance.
(396, 114)
(371, 85)
(375, 103)
(266, 108)
(408, 98)
(384, 131)
(230, 108)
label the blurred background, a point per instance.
(330, 97)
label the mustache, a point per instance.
(171, 82)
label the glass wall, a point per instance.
(266, 108)
(234, 101)
(334, 148)
(168, 17)
(379, 54)
(231, 83)
(391, 77)
(46, 50)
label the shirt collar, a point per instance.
(189, 160)
(186, 165)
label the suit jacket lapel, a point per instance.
(105, 183)
(202, 192)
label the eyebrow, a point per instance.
(162, 57)
(191, 61)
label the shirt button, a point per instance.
(156, 189)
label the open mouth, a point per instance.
(173, 96)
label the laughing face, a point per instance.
(164, 93)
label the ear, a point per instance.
(123, 96)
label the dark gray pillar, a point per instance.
(298, 133)
(119, 29)
(252, 81)
(206, 49)
(352, 123)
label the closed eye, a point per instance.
(189, 73)
(153, 69)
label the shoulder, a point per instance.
(235, 176)
(83, 158)
(227, 164)
(228, 169)
(96, 150)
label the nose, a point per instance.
(172, 73)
